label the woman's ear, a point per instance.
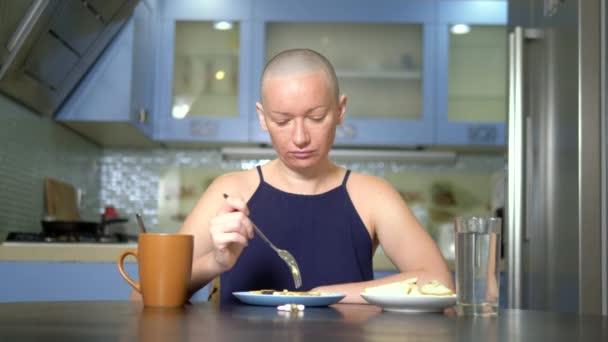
(260, 109)
(342, 108)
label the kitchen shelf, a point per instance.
(380, 74)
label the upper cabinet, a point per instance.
(113, 104)
(472, 73)
(416, 72)
(380, 51)
(204, 71)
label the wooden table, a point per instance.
(124, 321)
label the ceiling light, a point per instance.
(222, 25)
(219, 75)
(460, 29)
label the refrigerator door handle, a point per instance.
(515, 177)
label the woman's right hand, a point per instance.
(230, 232)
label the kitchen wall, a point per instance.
(32, 148)
(164, 184)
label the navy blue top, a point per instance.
(323, 232)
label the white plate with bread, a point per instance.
(407, 296)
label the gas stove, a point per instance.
(28, 237)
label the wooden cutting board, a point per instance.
(61, 200)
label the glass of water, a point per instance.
(477, 241)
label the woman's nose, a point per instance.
(301, 137)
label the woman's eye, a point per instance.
(317, 118)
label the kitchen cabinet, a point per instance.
(472, 73)
(114, 103)
(409, 81)
(204, 71)
(382, 54)
(53, 281)
(68, 281)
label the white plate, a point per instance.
(410, 303)
(274, 300)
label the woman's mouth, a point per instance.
(302, 154)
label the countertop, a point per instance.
(101, 252)
(129, 321)
(109, 252)
(64, 252)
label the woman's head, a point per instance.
(299, 61)
(301, 106)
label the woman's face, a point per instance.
(301, 115)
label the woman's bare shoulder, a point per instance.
(371, 192)
(363, 182)
(238, 183)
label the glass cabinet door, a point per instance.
(473, 62)
(379, 66)
(203, 74)
(205, 69)
(382, 57)
(477, 73)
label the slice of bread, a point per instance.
(435, 288)
(409, 287)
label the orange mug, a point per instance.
(165, 267)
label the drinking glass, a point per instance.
(477, 265)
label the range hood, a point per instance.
(48, 45)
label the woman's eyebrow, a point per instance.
(279, 113)
(314, 108)
(306, 112)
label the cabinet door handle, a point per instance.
(143, 115)
(203, 128)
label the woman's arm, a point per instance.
(221, 229)
(405, 242)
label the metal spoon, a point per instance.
(283, 254)
(140, 222)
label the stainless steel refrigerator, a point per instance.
(556, 204)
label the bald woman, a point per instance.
(331, 220)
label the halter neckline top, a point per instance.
(323, 232)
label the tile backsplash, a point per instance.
(35, 147)
(137, 180)
(164, 184)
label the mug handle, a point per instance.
(121, 260)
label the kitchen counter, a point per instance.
(129, 321)
(109, 252)
(64, 252)
(99, 252)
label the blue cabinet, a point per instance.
(472, 73)
(204, 71)
(409, 80)
(59, 281)
(382, 53)
(173, 76)
(25, 281)
(113, 104)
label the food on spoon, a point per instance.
(286, 292)
(409, 287)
